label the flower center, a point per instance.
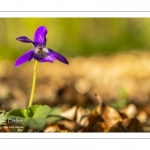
(41, 52)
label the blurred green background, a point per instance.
(76, 36)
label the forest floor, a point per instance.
(98, 94)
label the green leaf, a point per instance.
(38, 111)
(56, 110)
(35, 123)
(2, 118)
(33, 117)
(54, 118)
(37, 116)
(21, 113)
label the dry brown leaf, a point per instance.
(95, 121)
(110, 116)
(97, 110)
(95, 124)
(52, 128)
(67, 125)
(118, 127)
(145, 108)
(70, 113)
(123, 115)
(82, 116)
(132, 125)
(130, 111)
(64, 131)
(142, 116)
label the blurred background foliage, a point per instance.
(76, 36)
(121, 80)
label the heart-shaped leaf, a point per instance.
(38, 111)
(34, 117)
(35, 123)
(17, 112)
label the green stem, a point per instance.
(33, 84)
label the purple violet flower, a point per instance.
(39, 52)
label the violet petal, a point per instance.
(40, 36)
(45, 59)
(24, 39)
(57, 56)
(24, 58)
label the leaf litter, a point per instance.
(101, 94)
